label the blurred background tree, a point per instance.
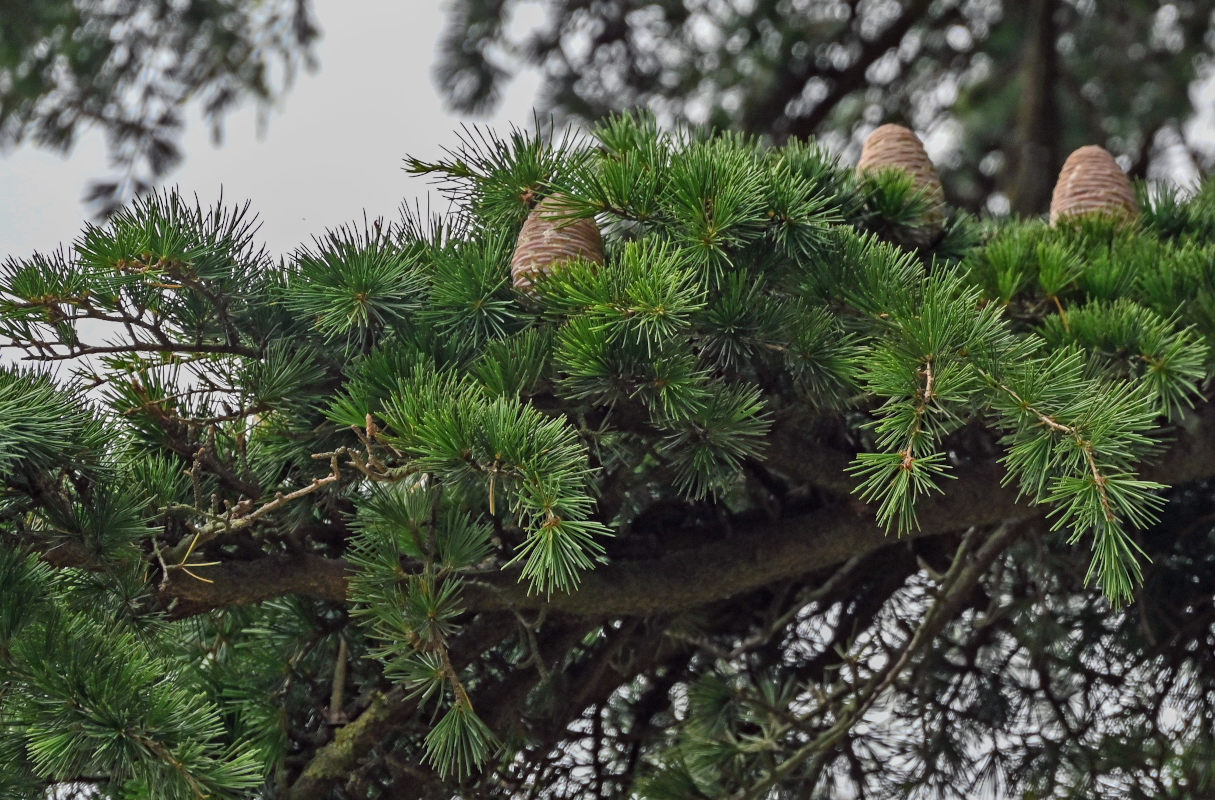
(1015, 86)
(1011, 86)
(130, 67)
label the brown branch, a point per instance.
(334, 762)
(79, 351)
(687, 578)
(1084, 445)
(244, 513)
(676, 581)
(805, 460)
(236, 583)
(337, 694)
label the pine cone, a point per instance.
(548, 239)
(1091, 182)
(899, 147)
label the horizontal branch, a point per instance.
(808, 462)
(237, 583)
(79, 351)
(686, 578)
(675, 581)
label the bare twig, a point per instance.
(959, 580)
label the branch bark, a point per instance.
(676, 581)
(334, 762)
(236, 583)
(687, 578)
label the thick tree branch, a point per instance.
(686, 578)
(333, 763)
(808, 461)
(676, 581)
(236, 583)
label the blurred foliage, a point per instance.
(1012, 86)
(130, 67)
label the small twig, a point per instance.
(1085, 445)
(927, 395)
(195, 474)
(922, 399)
(161, 750)
(372, 469)
(337, 693)
(959, 579)
(1062, 312)
(164, 568)
(450, 671)
(281, 499)
(244, 514)
(534, 658)
(79, 350)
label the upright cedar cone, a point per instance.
(550, 238)
(1091, 182)
(893, 146)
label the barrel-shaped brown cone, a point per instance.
(1091, 182)
(893, 146)
(550, 238)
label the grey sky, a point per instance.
(332, 148)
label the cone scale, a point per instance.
(550, 238)
(1092, 183)
(896, 147)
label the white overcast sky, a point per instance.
(333, 146)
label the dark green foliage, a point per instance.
(485, 506)
(893, 206)
(45, 427)
(356, 284)
(110, 704)
(500, 179)
(471, 300)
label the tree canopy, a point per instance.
(130, 67)
(1008, 88)
(774, 495)
(1012, 86)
